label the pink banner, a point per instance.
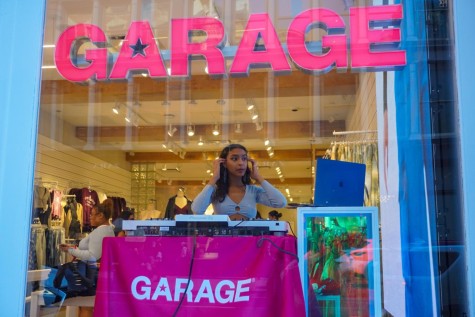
(230, 277)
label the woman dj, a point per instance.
(230, 191)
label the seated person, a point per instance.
(230, 190)
(127, 214)
(90, 248)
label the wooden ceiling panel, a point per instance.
(199, 87)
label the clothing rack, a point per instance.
(354, 132)
(354, 142)
(46, 183)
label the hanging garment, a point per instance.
(375, 178)
(41, 197)
(54, 237)
(66, 218)
(37, 251)
(368, 179)
(56, 207)
(334, 151)
(74, 229)
(89, 200)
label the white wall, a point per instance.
(69, 167)
(364, 115)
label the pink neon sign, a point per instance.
(370, 47)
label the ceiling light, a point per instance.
(200, 142)
(171, 130)
(238, 128)
(254, 114)
(258, 126)
(266, 142)
(250, 107)
(190, 130)
(216, 130)
(127, 119)
(116, 109)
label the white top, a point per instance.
(90, 248)
(266, 194)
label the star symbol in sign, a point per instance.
(138, 48)
(163, 288)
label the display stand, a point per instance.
(36, 297)
(339, 263)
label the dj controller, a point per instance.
(204, 225)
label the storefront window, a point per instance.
(139, 98)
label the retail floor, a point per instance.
(53, 312)
(49, 311)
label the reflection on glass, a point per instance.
(341, 266)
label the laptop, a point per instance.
(339, 184)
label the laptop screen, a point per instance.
(339, 184)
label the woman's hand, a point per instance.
(65, 247)
(216, 170)
(255, 171)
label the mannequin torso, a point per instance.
(181, 200)
(150, 212)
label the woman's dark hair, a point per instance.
(105, 210)
(126, 214)
(223, 182)
(275, 213)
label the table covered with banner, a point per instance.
(200, 276)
